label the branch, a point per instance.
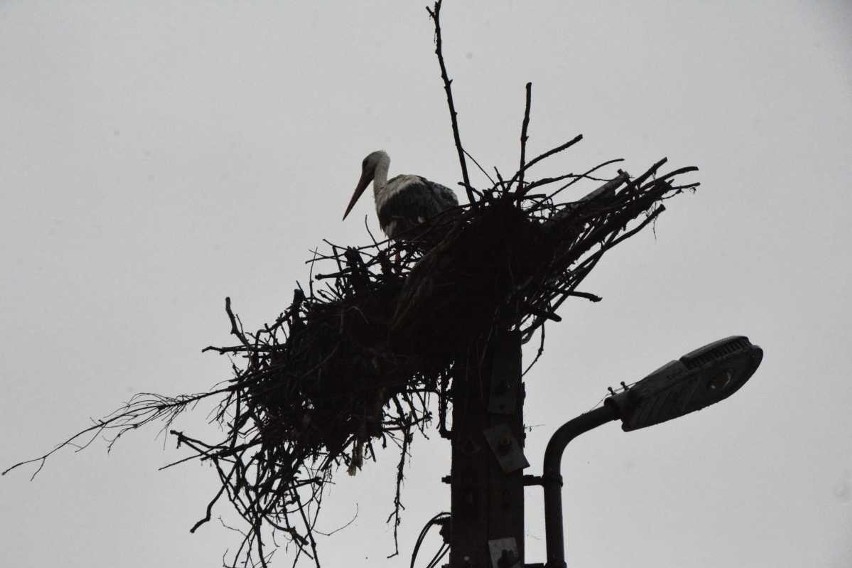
(142, 409)
(586, 295)
(435, 14)
(481, 169)
(521, 191)
(235, 327)
(524, 126)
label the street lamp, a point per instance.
(698, 379)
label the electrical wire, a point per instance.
(436, 520)
(445, 548)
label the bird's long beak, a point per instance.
(359, 189)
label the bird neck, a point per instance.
(380, 175)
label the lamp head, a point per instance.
(698, 379)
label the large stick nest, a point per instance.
(353, 361)
(353, 364)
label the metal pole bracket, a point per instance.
(506, 448)
(504, 553)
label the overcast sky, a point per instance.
(157, 156)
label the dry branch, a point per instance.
(435, 14)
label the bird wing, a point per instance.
(417, 200)
(445, 195)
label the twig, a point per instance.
(521, 191)
(400, 476)
(236, 330)
(524, 125)
(435, 14)
(560, 148)
(481, 169)
(586, 295)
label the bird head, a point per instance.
(368, 172)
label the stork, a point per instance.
(402, 202)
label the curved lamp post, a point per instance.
(698, 379)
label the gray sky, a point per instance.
(158, 156)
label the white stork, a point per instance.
(402, 202)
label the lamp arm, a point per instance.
(551, 478)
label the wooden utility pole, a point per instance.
(487, 487)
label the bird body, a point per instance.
(402, 202)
